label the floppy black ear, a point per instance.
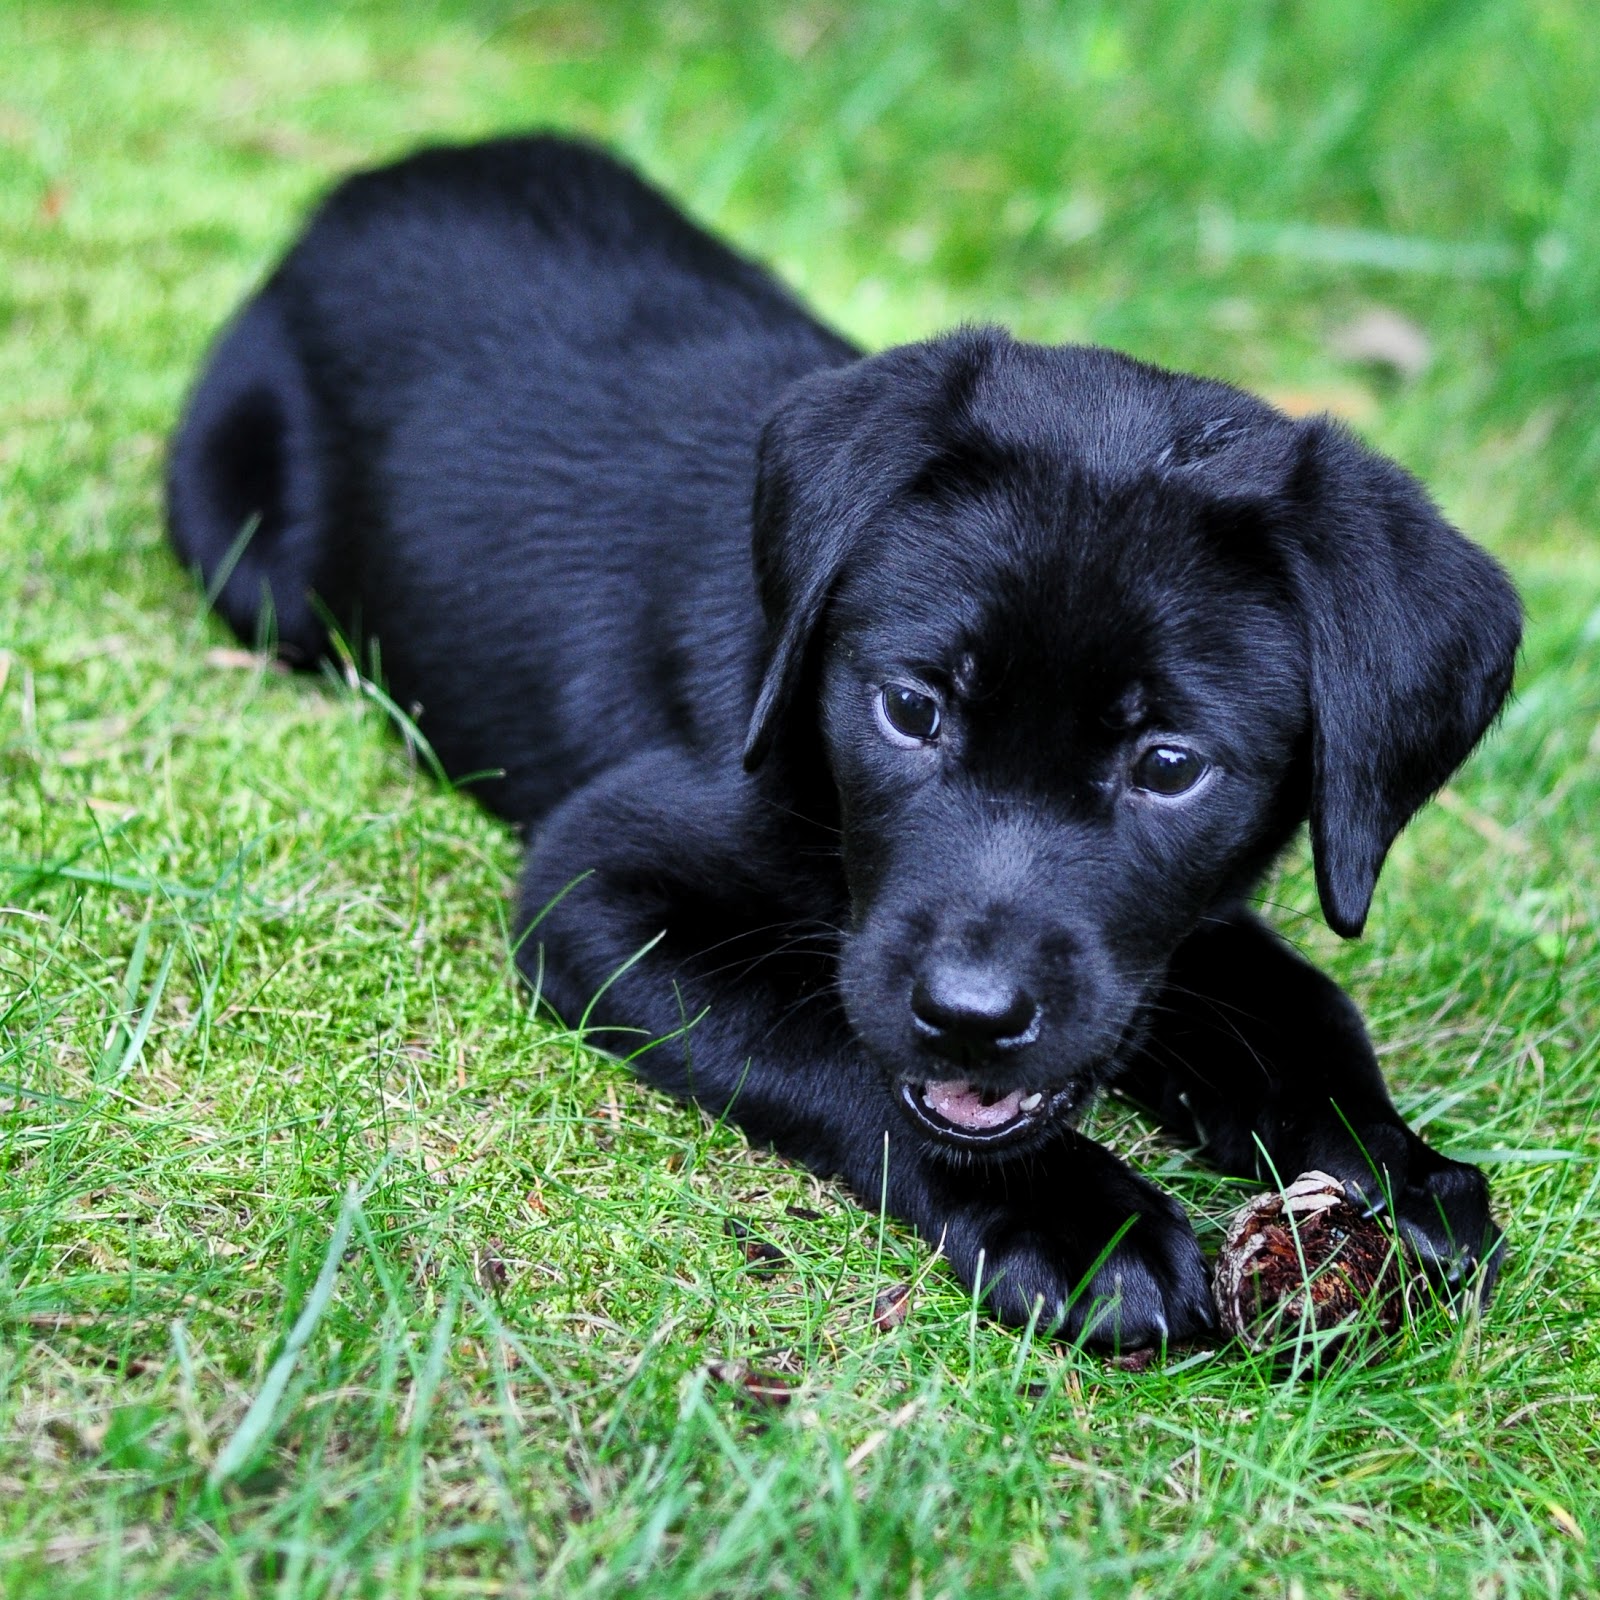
(1412, 633)
(839, 446)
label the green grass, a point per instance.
(254, 988)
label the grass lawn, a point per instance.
(325, 1267)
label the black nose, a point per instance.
(971, 1010)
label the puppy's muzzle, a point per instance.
(981, 1020)
(972, 1015)
(968, 1116)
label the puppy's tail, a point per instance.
(244, 500)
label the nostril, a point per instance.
(972, 1006)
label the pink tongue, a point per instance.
(959, 1102)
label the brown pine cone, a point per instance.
(1306, 1261)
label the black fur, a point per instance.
(505, 412)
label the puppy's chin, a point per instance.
(962, 1118)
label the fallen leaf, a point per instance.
(762, 1254)
(1382, 337)
(1565, 1521)
(493, 1274)
(892, 1307)
(764, 1389)
(1135, 1360)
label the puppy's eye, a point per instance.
(1169, 769)
(908, 715)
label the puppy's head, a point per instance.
(1086, 642)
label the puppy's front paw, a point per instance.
(1440, 1207)
(1153, 1287)
(1444, 1217)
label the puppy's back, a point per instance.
(498, 408)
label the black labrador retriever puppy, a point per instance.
(899, 738)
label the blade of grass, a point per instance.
(257, 1424)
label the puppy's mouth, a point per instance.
(971, 1117)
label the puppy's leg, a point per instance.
(1264, 1064)
(245, 491)
(1073, 1235)
(662, 904)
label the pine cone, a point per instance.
(1307, 1262)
